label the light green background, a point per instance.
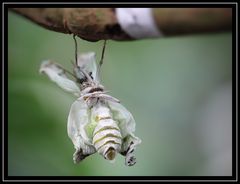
(163, 82)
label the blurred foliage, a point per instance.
(163, 82)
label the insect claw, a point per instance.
(130, 160)
(78, 156)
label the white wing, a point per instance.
(78, 117)
(56, 73)
(87, 62)
(123, 116)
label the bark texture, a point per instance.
(95, 24)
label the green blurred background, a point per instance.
(178, 90)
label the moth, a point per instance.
(97, 122)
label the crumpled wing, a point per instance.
(87, 62)
(77, 119)
(56, 73)
(127, 126)
(123, 116)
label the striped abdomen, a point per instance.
(107, 138)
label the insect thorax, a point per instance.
(87, 88)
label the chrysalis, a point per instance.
(97, 122)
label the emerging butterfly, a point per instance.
(97, 122)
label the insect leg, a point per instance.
(103, 51)
(101, 60)
(82, 150)
(129, 144)
(75, 41)
(108, 97)
(79, 156)
(76, 61)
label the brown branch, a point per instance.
(177, 21)
(95, 24)
(88, 23)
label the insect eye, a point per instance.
(82, 80)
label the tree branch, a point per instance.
(178, 21)
(95, 24)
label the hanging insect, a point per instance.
(97, 122)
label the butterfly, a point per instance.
(97, 122)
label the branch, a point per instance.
(177, 21)
(95, 24)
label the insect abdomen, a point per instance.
(107, 138)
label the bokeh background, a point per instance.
(177, 88)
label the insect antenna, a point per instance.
(65, 70)
(70, 73)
